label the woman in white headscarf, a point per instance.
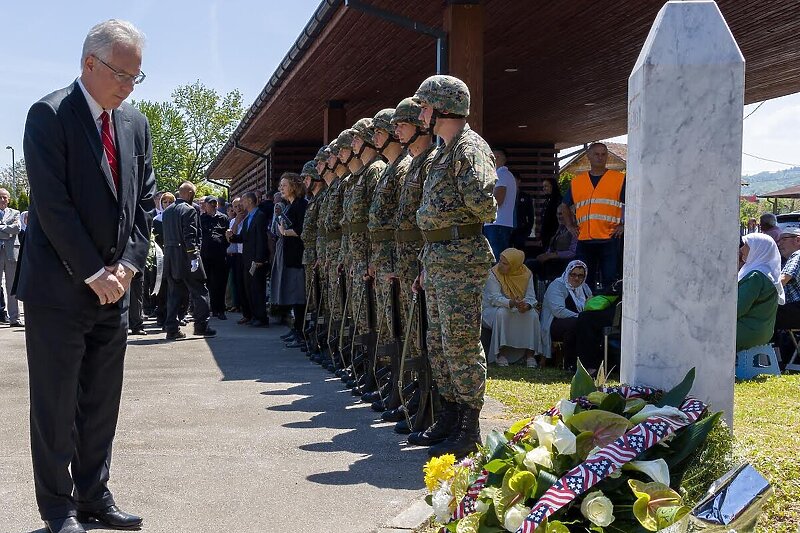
(508, 310)
(564, 299)
(760, 291)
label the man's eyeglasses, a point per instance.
(124, 77)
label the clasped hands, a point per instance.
(112, 284)
(520, 305)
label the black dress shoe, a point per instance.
(175, 335)
(206, 332)
(64, 525)
(259, 324)
(221, 316)
(17, 324)
(112, 516)
(138, 331)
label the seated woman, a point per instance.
(508, 301)
(760, 291)
(563, 302)
(560, 251)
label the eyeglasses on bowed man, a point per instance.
(124, 77)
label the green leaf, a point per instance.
(556, 527)
(495, 466)
(634, 405)
(689, 439)
(496, 443)
(666, 516)
(605, 427)
(650, 497)
(429, 499)
(514, 429)
(613, 403)
(469, 524)
(676, 396)
(544, 480)
(584, 443)
(582, 383)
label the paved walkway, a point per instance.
(232, 434)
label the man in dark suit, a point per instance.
(88, 157)
(212, 252)
(183, 268)
(254, 259)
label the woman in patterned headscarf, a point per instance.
(563, 302)
(508, 310)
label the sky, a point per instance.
(232, 44)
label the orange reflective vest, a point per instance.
(598, 209)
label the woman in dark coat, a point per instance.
(287, 284)
(549, 210)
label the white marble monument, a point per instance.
(685, 102)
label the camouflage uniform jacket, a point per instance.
(383, 211)
(458, 191)
(411, 189)
(344, 217)
(356, 211)
(322, 230)
(309, 234)
(333, 206)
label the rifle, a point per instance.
(391, 350)
(345, 296)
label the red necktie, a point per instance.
(110, 149)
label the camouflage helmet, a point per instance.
(321, 154)
(332, 148)
(383, 120)
(365, 129)
(408, 111)
(446, 94)
(344, 140)
(310, 169)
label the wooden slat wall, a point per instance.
(290, 158)
(532, 164)
(252, 179)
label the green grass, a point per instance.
(766, 427)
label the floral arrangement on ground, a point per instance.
(610, 459)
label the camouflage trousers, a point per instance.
(407, 269)
(358, 296)
(458, 363)
(333, 291)
(383, 307)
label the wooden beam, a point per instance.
(334, 120)
(464, 24)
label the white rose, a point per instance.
(515, 516)
(657, 470)
(597, 509)
(538, 456)
(566, 408)
(564, 439)
(440, 500)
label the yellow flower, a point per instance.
(439, 469)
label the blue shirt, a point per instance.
(792, 287)
(249, 219)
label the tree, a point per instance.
(209, 119)
(170, 145)
(189, 131)
(7, 175)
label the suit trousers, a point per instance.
(179, 290)
(135, 311)
(75, 365)
(8, 269)
(217, 274)
(239, 273)
(256, 291)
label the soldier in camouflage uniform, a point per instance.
(321, 264)
(366, 167)
(413, 134)
(333, 225)
(456, 201)
(315, 185)
(382, 214)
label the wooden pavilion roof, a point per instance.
(554, 73)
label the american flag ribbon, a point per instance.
(596, 468)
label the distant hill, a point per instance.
(764, 182)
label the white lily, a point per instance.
(564, 440)
(566, 408)
(667, 411)
(545, 431)
(657, 470)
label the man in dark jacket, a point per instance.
(212, 252)
(254, 259)
(182, 266)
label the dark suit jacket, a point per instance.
(182, 234)
(214, 244)
(78, 222)
(254, 240)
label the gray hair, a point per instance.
(770, 219)
(101, 38)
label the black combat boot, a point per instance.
(445, 426)
(466, 439)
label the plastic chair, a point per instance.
(793, 363)
(756, 361)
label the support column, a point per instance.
(334, 120)
(685, 101)
(464, 25)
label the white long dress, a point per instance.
(510, 328)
